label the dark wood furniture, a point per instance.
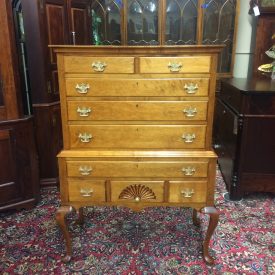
(50, 22)
(244, 135)
(19, 180)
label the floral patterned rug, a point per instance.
(154, 241)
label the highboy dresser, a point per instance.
(137, 126)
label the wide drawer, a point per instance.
(87, 190)
(138, 136)
(137, 191)
(117, 169)
(98, 64)
(137, 110)
(137, 87)
(185, 191)
(186, 64)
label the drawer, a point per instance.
(137, 110)
(137, 87)
(140, 191)
(138, 136)
(185, 191)
(87, 190)
(117, 169)
(99, 64)
(186, 64)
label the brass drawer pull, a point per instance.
(82, 88)
(189, 171)
(187, 193)
(174, 67)
(85, 170)
(99, 66)
(86, 192)
(191, 88)
(188, 138)
(83, 112)
(190, 112)
(85, 138)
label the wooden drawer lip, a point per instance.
(183, 155)
(137, 110)
(199, 188)
(153, 191)
(96, 188)
(114, 65)
(138, 136)
(137, 87)
(190, 64)
(142, 169)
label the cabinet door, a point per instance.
(79, 22)
(9, 187)
(225, 139)
(56, 24)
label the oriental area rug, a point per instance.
(116, 240)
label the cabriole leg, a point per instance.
(196, 221)
(61, 214)
(213, 221)
(80, 218)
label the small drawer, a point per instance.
(186, 64)
(138, 136)
(141, 169)
(88, 87)
(99, 64)
(137, 192)
(87, 190)
(184, 191)
(137, 110)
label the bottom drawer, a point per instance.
(135, 191)
(184, 191)
(87, 190)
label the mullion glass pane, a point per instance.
(106, 22)
(142, 22)
(218, 28)
(181, 22)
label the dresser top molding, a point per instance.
(114, 50)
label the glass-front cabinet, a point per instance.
(166, 22)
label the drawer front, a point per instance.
(87, 190)
(117, 169)
(187, 64)
(137, 110)
(138, 136)
(193, 191)
(137, 191)
(137, 87)
(99, 64)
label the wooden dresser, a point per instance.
(244, 135)
(137, 127)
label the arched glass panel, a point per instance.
(218, 28)
(142, 22)
(106, 22)
(181, 22)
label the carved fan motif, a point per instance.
(137, 192)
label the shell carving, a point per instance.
(137, 193)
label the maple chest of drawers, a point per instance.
(137, 127)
